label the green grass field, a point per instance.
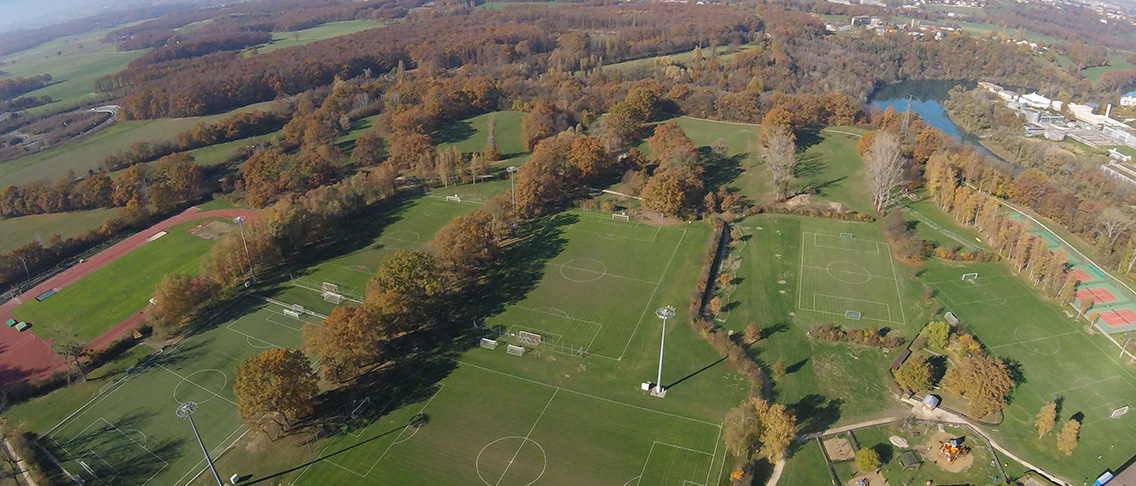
(1115, 62)
(89, 153)
(130, 435)
(1058, 359)
(723, 52)
(281, 40)
(106, 297)
(219, 153)
(502, 5)
(73, 62)
(17, 232)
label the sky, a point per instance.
(30, 14)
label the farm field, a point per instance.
(17, 232)
(74, 63)
(101, 300)
(282, 40)
(1058, 361)
(89, 153)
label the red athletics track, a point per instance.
(23, 356)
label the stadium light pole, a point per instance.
(25, 264)
(240, 220)
(663, 313)
(512, 169)
(185, 412)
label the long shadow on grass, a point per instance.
(355, 235)
(129, 457)
(719, 170)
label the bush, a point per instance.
(867, 460)
(872, 337)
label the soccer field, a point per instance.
(130, 434)
(109, 295)
(597, 291)
(1057, 359)
(846, 277)
(486, 427)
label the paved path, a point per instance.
(24, 356)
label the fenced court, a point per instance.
(1051, 350)
(130, 435)
(536, 433)
(599, 289)
(844, 276)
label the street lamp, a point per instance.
(240, 220)
(663, 313)
(185, 412)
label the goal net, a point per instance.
(360, 408)
(621, 216)
(528, 339)
(1120, 412)
(488, 343)
(332, 297)
(845, 235)
(970, 276)
(329, 287)
(852, 315)
(291, 313)
(515, 350)
(297, 307)
(454, 198)
(950, 317)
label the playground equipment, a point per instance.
(953, 449)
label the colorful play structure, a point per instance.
(953, 449)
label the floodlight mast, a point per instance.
(185, 412)
(240, 220)
(663, 313)
(512, 169)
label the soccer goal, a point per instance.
(529, 339)
(291, 313)
(332, 297)
(951, 318)
(852, 315)
(488, 343)
(454, 198)
(846, 235)
(515, 350)
(357, 411)
(329, 287)
(970, 276)
(297, 307)
(1120, 412)
(621, 216)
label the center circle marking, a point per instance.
(195, 385)
(848, 272)
(583, 270)
(511, 447)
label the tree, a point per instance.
(469, 242)
(982, 380)
(369, 149)
(1113, 222)
(74, 349)
(780, 152)
(672, 192)
(407, 287)
(884, 164)
(937, 334)
(1046, 419)
(753, 333)
(715, 305)
(491, 152)
(867, 459)
(347, 342)
(1067, 437)
(275, 381)
(778, 427)
(538, 124)
(741, 430)
(915, 374)
(779, 368)
(178, 297)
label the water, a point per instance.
(927, 100)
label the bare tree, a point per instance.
(74, 349)
(1113, 221)
(883, 163)
(780, 152)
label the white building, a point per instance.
(1129, 99)
(1035, 100)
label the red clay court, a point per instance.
(1119, 318)
(1099, 295)
(1079, 275)
(23, 356)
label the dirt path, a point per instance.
(24, 356)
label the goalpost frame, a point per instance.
(622, 216)
(970, 276)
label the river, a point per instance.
(927, 100)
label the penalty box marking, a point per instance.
(869, 274)
(886, 307)
(709, 471)
(816, 243)
(107, 428)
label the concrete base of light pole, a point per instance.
(658, 391)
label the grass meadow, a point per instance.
(106, 297)
(17, 232)
(282, 40)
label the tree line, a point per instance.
(11, 88)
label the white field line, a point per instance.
(651, 299)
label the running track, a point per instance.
(24, 356)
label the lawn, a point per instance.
(1115, 62)
(678, 58)
(470, 135)
(106, 297)
(17, 232)
(1058, 361)
(130, 434)
(219, 153)
(777, 272)
(89, 153)
(502, 5)
(281, 40)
